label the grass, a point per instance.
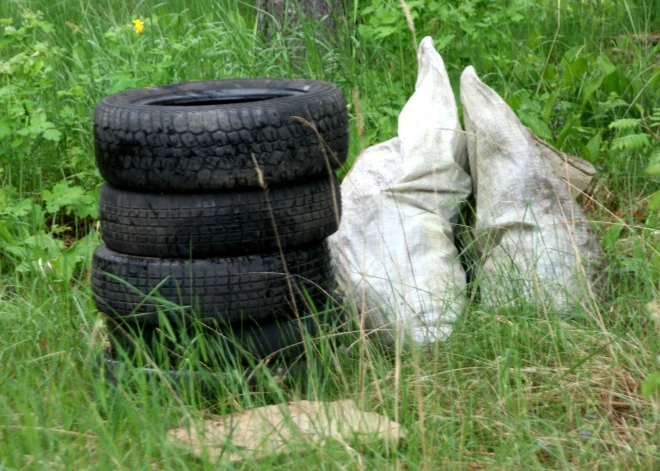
(510, 389)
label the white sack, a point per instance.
(394, 253)
(535, 243)
(576, 172)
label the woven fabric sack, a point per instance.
(394, 253)
(534, 242)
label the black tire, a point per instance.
(201, 136)
(238, 341)
(219, 224)
(221, 289)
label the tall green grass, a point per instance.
(511, 389)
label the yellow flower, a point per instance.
(139, 26)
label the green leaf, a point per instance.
(44, 241)
(64, 265)
(575, 71)
(615, 82)
(46, 27)
(29, 266)
(572, 122)
(571, 56)
(537, 126)
(514, 102)
(5, 130)
(655, 117)
(626, 123)
(631, 142)
(121, 83)
(443, 41)
(6, 235)
(517, 17)
(591, 88)
(52, 135)
(388, 16)
(651, 384)
(385, 31)
(550, 73)
(655, 78)
(366, 32)
(23, 208)
(86, 206)
(592, 149)
(80, 251)
(549, 106)
(62, 196)
(606, 65)
(655, 157)
(612, 235)
(653, 170)
(654, 201)
(9, 30)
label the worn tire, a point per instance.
(221, 289)
(201, 136)
(219, 224)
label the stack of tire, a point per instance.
(217, 201)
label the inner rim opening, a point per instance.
(221, 97)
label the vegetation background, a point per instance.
(519, 389)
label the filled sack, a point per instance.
(534, 243)
(394, 254)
